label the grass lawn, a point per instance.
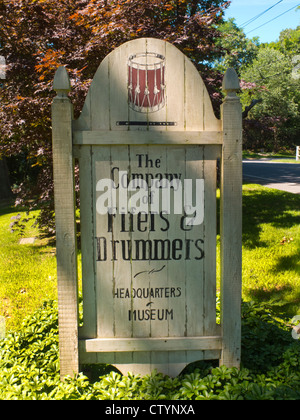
(271, 257)
(271, 247)
(285, 157)
(27, 272)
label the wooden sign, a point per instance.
(147, 142)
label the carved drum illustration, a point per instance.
(146, 82)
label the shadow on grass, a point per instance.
(265, 205)
(6, 208)
(285, 262)
(281, 210)
(284, 299)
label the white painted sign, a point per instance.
(147, 142)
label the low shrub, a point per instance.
(29, 367)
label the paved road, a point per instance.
(282, 176)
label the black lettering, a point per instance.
(188, 248)
(144, 255)
(152, 223)
(145, 293)
(162, 250)
(149, 162)
(160, 314)
(113, 249)
(140, 221)
(199, 249)
(183, 225)
(113, 175)
(169, 313)
(101, 248)
(150, 314)
(126, 250)
(166, 221)
(176, 248)
(147, 314)
(110, 222)
(140, 160)
(137, 176)
(147, 177)
(160, 177)
(169, 177)
(129, 226)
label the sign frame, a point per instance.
(106, 123)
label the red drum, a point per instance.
(146, 82)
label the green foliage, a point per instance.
(271, 72)
(271, 79)
(289, 42)
(38, 36)
(239, 51)
(29, 359)
(29, 367)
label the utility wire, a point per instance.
(294, 7)
(243, 25)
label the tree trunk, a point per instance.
(5, 190)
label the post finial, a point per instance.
(231, 83)
(61, 82)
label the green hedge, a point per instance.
(29, 367)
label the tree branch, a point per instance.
(248, 108)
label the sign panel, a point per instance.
(149, 241)
(147, 142)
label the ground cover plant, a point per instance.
(29, 367)
(29, 364)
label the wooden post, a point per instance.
(298, 153)
(2, 67)
(231, 222)
(63, 168)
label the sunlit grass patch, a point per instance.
(27, 272)
(271, 247)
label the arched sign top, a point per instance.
(147, 84)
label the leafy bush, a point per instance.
(29, 367)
